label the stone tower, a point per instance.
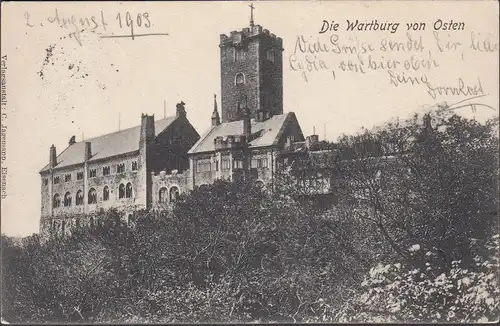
(251, 72)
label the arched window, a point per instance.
(162, 195)
(121, 191)
(105, 193)
(79, 198)
(259, 184)
(67, 199)
(128, 190)
(92, 196)
(174, 194)
(239, 79)
(57, 201)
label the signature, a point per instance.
(444, 106)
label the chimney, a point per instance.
(180, 109)
(215, 114)
(53, 156)
(72, 140)
(88, 151)
(147, 128)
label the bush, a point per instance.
(401, 292)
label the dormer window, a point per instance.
(120, 168)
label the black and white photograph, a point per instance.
(249, 162)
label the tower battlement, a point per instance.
(236, 38)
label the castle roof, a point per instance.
(109, 145)
(264, 133)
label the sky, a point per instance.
(61, 81)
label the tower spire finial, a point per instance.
(215, 113)
(251, 13)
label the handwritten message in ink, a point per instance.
(404, 54)
(129, 24)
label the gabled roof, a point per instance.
(116, 143)
(264, 133)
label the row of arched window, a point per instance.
(171, 194)
(64, 225)
(124, 191)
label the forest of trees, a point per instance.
(420, 245)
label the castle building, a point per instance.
(149, 166)
(112, 171)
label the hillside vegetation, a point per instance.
(421, 245)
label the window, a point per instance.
(239, 79)
(93, 173)
(120, 168)
(57, 201)
(128, 190)
(45, 181)
(79, 175)
(92, 196)
(130, 219)
(56, 180)
(105, 170)
(174, 194)
(134, 166)
(225, 165)
(239, 55)
(237, 164)
(259, 184)
(79, 198)
(67, 199)
(63, 226)
(162, 196)
(91, 221)
(67, 177)
(78, 222)
(270, 55)
(259, 162)
(216, 166)
(121, 191)
(203, 166)
(105, 193)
